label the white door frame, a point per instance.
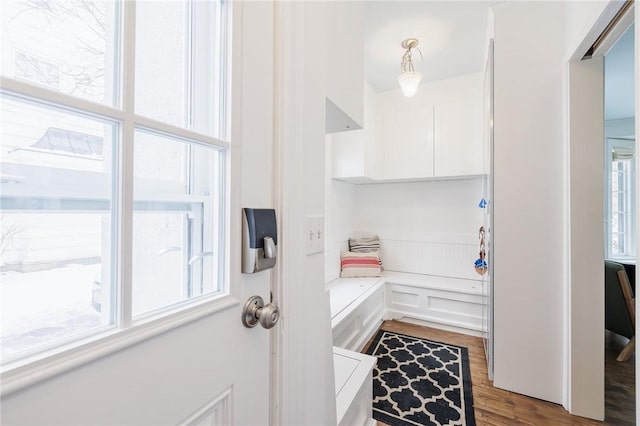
(585, 213)
(302, 389)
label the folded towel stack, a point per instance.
(366, 244)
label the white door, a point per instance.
(165, 353)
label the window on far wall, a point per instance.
(66, 163)
(620, 199)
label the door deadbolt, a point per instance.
(255, 312)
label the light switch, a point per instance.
(315, 234)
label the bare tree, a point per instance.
(87, 20)
(8, 232)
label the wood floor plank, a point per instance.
(498, 407)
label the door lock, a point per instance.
(255, 312)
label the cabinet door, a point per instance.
(458, 138)
(407, 142)
(347, 154)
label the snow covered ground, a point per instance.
(38, 307)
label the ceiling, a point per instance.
(452, 38)
(618, 79)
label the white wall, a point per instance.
(425, 227)
(528, 199)
(305, 358)
(420, 210)
(345, 56)
(339, 217)
(434, 93)
(580, 17)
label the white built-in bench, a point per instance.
(453, 304)
(354, 387)
(358, 306)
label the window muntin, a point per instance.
(56, 224)
(180, 188)
(64, 45)
(620, 196)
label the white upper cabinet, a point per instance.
(344, 65)
(458, 138)
(437, 134)
(405, 137)
(354, 155)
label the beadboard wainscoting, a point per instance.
(434, 256)
(332, 259)
(447, 259)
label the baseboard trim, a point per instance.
(470, 330)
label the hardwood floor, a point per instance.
(499, 407)
(619, 383)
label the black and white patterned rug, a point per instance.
(420, 382)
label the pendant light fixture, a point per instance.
(410, 78)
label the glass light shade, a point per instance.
(409, 82)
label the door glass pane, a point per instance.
(162, 68)
(179, 64)
(55, 221)
(176, 225)
(65, 45)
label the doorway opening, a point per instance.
(620, 233)
(601, 190)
